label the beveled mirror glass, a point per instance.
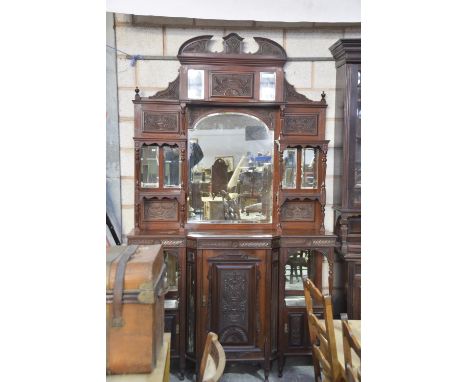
(171, 166)
(309, 167)
(196, 84)
(289, 168)
(149, 177)
(267, 86)
(230, 169)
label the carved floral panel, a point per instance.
(161, 122)
(300, 125)
(231, 85)
(298, 211)
(160, 210)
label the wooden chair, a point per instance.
(213, 360)
(322, 336)
(350, 343)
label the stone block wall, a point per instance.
(158, 36)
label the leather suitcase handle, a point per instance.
(119, 284)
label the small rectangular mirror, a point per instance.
(289, 168)
(171, 166)
(196, 84)
(149, 177)
(267, 86)
(309, 168)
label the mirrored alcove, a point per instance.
(230, 169)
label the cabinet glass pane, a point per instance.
(267, 86)
(149, 167)
(300, 264)
(309, 168)
(196, 84)
(171, 166)
(290, 168)
(172, 267)
(230, 169)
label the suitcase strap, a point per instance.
(119, 285)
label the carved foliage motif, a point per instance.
(172, 91)
(160, 210)
(232, 85)
(291, 95)
(298, 211)
(234, 306)
(161, 122)
(300, 124)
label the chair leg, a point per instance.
(316, 364)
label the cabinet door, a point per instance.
(233, 288)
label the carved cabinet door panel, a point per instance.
(233, 295)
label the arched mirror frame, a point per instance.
(268, 118)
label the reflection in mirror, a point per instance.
(172, 267)
(196, 84)
(171, 166)
(149, 167)
(230, 169)
(300, 264)
(290, 168)
(309, 168)
(267, 86)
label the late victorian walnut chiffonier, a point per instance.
(230, 165)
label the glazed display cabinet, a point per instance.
(230, 168)
(347, 199)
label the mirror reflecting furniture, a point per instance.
(300, 263)
(230, 183)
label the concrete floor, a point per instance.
(297, 369)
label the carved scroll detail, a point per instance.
(233, 44)
(197, 44)
(291, 95)
(172, 91)
(268, 47)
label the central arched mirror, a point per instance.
(230, 169)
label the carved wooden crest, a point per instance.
(232, 45)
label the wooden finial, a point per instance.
(137, 96)
(323, 96)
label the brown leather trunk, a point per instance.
(135, 307)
